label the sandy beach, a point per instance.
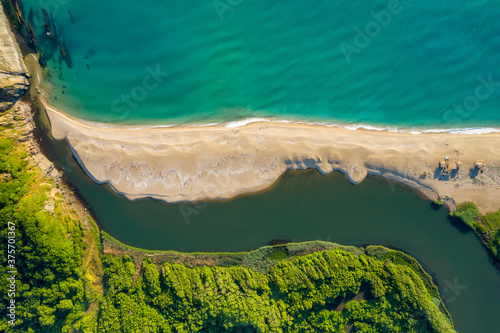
(187, 163)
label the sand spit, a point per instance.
(186, 163)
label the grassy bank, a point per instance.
(259, 260)
(487, 227)
(335, 290)
(264, 259)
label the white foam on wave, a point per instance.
(207, 125)
(244, 122)
(160, 126)
(457, 131)
(354, 127)
(132, 127)
(351, 127)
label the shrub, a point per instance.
(492, 220)
(479, 228)
(438, 203)
(295, 295)
(467, 213)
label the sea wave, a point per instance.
(351, 127)
(467, 131)
(244, 122)
(354, 127)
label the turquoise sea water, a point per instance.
(415, 63)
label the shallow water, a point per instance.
(293, 60)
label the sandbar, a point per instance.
(192, 163)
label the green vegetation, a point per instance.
(492, 220)
(66, 284)
(259, 260)
(49, 249)
(468, 213)
(438, 202)
(52, 292)
(486, 227)
(321, 292)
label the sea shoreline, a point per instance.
(187, 163)
(247, 121)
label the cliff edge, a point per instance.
(13, 77)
